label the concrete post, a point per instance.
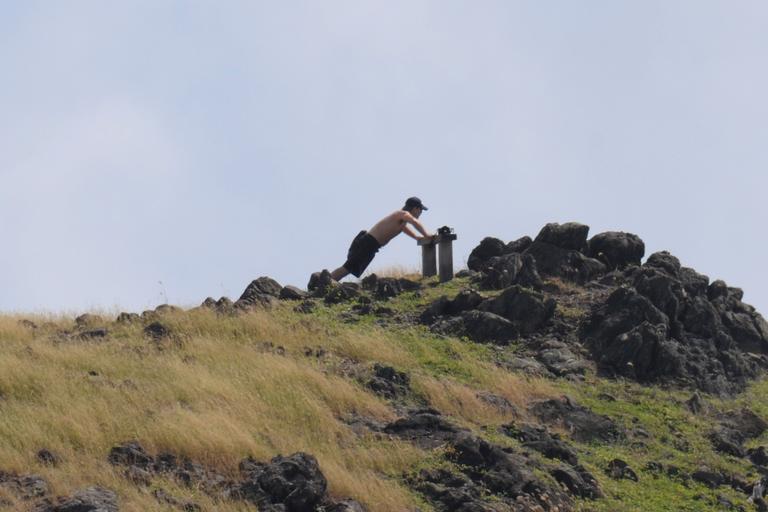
(428, 258)
(430, 254)
(445, 254)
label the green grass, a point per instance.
(221, 390)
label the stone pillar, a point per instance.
(445, 240)
(438, 248)
(428, 258)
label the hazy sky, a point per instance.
(180, 149)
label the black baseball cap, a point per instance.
(413, 202)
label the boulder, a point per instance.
(616, 249)
(261, 292)
(320, 283)
(342, 293)
(489, 247)
(578, 481)
(541, 440)
(504, 271)
(619, 470)
(570, 236)
(92, 499)
(480, 326)
(443, 306)
(157, 331)
(296, 481)
(665, 261)
(424, 427)
(568, 264)
(583, 425)
(292, 293)
(526, 309)
(519, 245)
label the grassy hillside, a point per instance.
(276, 381)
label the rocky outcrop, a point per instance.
(261, 292)
(666, 323)
(292, 484)
(490, 475)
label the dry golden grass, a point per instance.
(409, 272)
(222, 391)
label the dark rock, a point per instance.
(342, 293)
(48, 458)
(92, 499)
(320, 283)
(157, 331)
(94, 333)
(489, 247)
(425, 427)
(616, 249)
(503, 472)
(26, 487)
(370, 282)
(664, 261)
(560, 360)
(695, 284)
(526, 309)
(443, 306)
(504, 271)
(700, 317)
(570, 236)
(539, 439)
(578, 481)
(292, 293)
(582, 424)
(758, 456)
(618, 470)
(130, 454)
(479, 326)
(296, 481)
(745, 422)
(388, 382)
(709, 478)
(127, 318)
(260, 293)
(571, 265)
(519, 245)
(88, 320)
(466, 273)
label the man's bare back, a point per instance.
(394, 224)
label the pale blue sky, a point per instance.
(204, 144)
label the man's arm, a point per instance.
(415, 222)
(410, 233)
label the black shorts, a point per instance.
(361, 252)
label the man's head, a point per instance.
(414, 206)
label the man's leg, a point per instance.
(339, 274)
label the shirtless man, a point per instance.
(367, 243)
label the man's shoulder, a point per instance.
(397, 214)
